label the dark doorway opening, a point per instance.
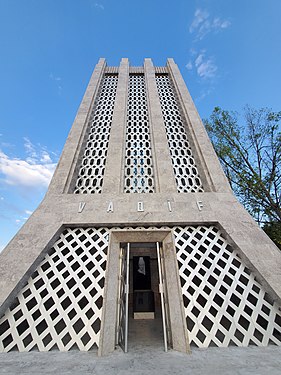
(145, 318)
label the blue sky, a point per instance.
(228, 51)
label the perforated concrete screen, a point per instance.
(138, 156)
(184, 166)
(224, 303)
(61, 305)
(90, 177)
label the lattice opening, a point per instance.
(185, 170)
(91, 172)
(61, 305)
(139, 175)
(224, 303)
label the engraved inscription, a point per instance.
(110, 207)
(140, 207)
(81, 206)
(199, 205)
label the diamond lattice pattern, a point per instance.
(61, 305)
(224, 303)
(185, 170)
(90, 176)
(138, 159)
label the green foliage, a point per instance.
(250, 153)
(273, 230)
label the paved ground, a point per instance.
(141, 360)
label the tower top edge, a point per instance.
(125, 60)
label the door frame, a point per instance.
(178, 330)
(123, 298)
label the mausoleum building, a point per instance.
(139, 225)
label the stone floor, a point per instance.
(146, 332)
(142, 360)
(146, 356)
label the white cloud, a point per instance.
(207, 69)
(193, 52)
(6, 145)
(36, 153)
(28, 212)
(45, 158)
(199, 59)
(220, 24)
(94, 4)
(35, 171)
(30, 150)
(200, 17)
(205, 66)
(54, 78)
(204, 24)
(97, 5)
(25, 173)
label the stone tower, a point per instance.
(139, 225)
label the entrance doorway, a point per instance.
(115, 327)
(142, 312)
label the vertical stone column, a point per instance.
(114, 163)
(109, 316)
(164, 174)
(180, 341)
(63, 176)
(207, 162)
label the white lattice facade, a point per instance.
(224, 303)
(61, 305)
(138, 170)
(138, 156)
(185, 170)
(90, 176)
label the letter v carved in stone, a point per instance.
(81, 206)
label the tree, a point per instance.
(273, 230)
(250, 154)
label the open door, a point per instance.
(141, 309)
(122, 336)
(163, 294)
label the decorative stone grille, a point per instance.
(224, 303)
(185, 170)
(138, 159)
(61, 305)
(136, 69)
(90, 176)
(112, 69)
(161, 69)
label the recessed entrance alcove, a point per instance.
(142, 280)
(145, 321)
